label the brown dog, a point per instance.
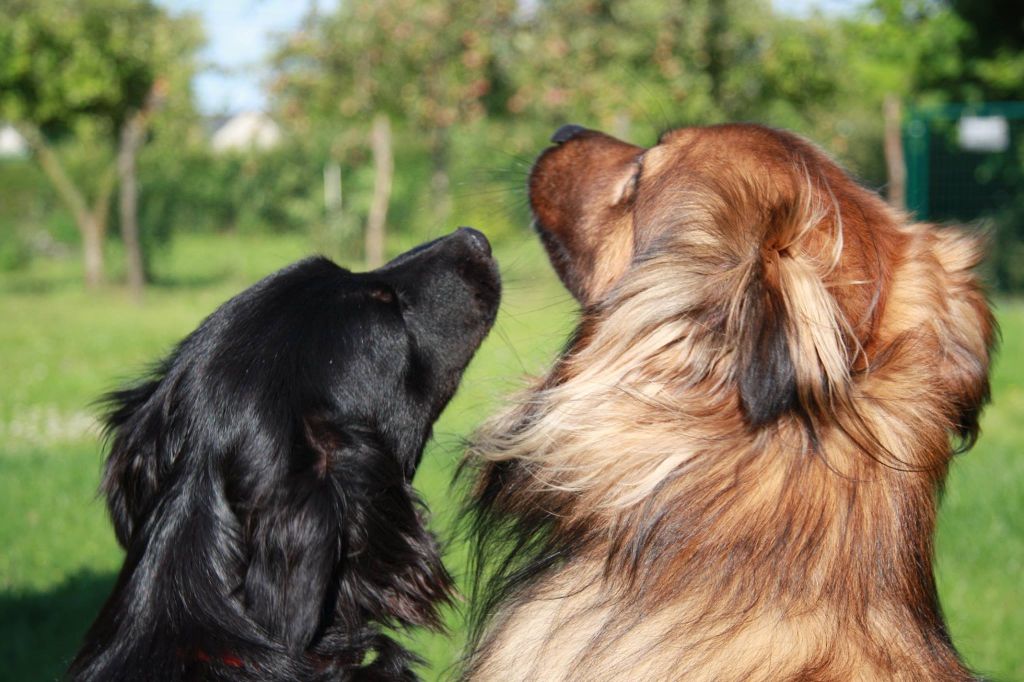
(731, 472)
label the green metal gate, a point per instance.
(965, 163)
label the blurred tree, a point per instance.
(73, 75)
(608, 64)
(941, 50)
(629, 63)
(131, 139)
(422, 65)
(923, 52)
(991, 49)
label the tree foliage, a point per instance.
(71, 76)
(64, 63)
(472, 89)
(428, 63)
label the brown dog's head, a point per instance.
(793, 280)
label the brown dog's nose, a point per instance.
(567, 132)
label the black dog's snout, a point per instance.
(476, 238)
(567, 132)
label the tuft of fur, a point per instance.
(260, 480)
(732, 470)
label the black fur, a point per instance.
(767, 377)
(260, 479)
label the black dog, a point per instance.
(259, 481)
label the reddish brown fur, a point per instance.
(731, 472)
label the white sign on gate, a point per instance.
(984, 133)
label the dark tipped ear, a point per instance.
(133, 469)
(767, 376)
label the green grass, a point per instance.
(61, 347)
(981, 522)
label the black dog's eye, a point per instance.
(391, 297)
(382, 294)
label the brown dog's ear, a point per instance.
(968, 331)
(791, 336)
(767, 377)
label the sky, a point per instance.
(240, 37)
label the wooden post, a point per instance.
(440, 181)
(895, 163)
(622, 125)
(331, 239)
(133, 133)
(133, 136)
(380, 142)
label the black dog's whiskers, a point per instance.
(259, 479)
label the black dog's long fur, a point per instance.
(259, 480)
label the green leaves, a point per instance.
(98, 59)
(427, 63)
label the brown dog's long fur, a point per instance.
(731, 473)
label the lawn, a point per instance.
(61, 347)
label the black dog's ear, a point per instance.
(393, 560)
(133, 470)
(343, 535)
(295, 539)
(293, 550)
(767, 376)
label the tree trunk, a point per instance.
(91, 224)
(440, 184)
(92, 251)
(101, 214)
(622, 126)
(894, 160)
(132, 136)
(380, 141)
(332, 235)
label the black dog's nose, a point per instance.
(476, 238)
(566, 133)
